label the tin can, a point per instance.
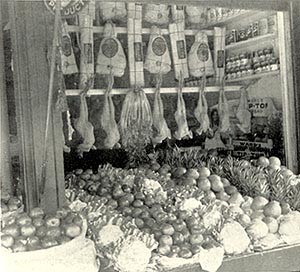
(234, 35)
(249, 31)
(263, 26)
(255, 29)
(272, 23)
(242, 36)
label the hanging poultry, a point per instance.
(108, 121)
(180, 116)
(83, 126)
(243, 114)
(223, 109)
(201, 111)
(161, 129)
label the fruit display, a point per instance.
(225, 205)
(36, 230)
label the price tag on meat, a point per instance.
(69, 8)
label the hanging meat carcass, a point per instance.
(108, 121)
(161, 130)
(201, 111)
(157, 14)
(180, 116)
(223, 109)
(84, 127)
(243, 114)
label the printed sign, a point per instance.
(181, 49)
(138, 53)
(69, 8)
(261, 107)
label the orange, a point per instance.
(230, 189)
(204, 185)
(275, 163)
(263, 161)
(204, 172)
(259, 202)
(192, 173)
(216, 183)
(236, 199)
(272, 209)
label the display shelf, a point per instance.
(259, 41)
(123, 30)
(74, 92)
(255, 76)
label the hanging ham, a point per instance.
(84, 127)
(199, 58)
(201, 111)
(111, 56)
(108, 121)
(223, 109)
(161, 130)
(243, 114)
(158, 60)
(180, 117)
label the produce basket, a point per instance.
(77, 255)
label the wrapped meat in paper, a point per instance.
(111, 57)
(196, 14)
(156, 14)
(112, 10)
(243, 114)
(158, 60)
(199, 58)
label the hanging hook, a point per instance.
(181, 81)
(158, 81)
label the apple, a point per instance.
(166, 240)
(12, 230)
(23, 219)
(38, 222)
(36, 212)
(196, 239)
(41, 231)
(18, 247)
(179, 225)
(196, 248)
(28, 230)
(172, 217)
(21, 239)
(48, 242)
(185, 253)
(52, 221)
(63, 239)
(164, 249)
(53, 232)
(7, 240)
(178, 238)
(175, 249)
(197, 229)
(72, 230)
(33, 241)
(168, 229)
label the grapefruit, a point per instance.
(275, 163)
(272, 224)
(263, 161)
(192, 173)
(236, 199)
(204, 172)
(272, 209)
(230, 189)
(259, 202)
(204, 185)
(216, 183)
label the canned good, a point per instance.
(237, 61)
(242, 35)
(263, 26)
(234, 35)
(272, 23)
(255, 29)
(243, 59)
(255, 58)
(249, 69)
(249, 31)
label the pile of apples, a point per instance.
(36, 230)
(9, 203)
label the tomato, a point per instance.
(28, 230)
(138, 203)
(196, 239)
(23, 219)
(53, 232)
(7, 240)
(175, 248)
(164, 249)
(196, 249)
(179, 225)
(72, 230)
(178, 238)
(18, 247)
(52, 221)
(12, 230)
(172, 217)
(41, 231)
(168, 229)
(137, 212)
(185, 253)
(139, 222)
(166, 240)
